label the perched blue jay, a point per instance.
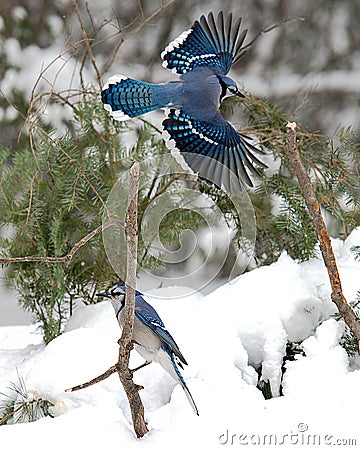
(203, 55)
(150, 337)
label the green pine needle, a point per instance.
(19, 405)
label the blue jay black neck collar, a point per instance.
(121, 308)
(223, 88)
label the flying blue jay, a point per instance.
(150, 337)
(194, 127)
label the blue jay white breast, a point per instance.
(150, 337)
(194, 128)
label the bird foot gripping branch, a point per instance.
(194, 129)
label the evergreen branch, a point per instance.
(20, 406)
(28, 406)
(8, 415)
(313, 206)
(69, 256)
(32, 125)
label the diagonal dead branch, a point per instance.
(95, 380)
(270, 28)
(313, 207)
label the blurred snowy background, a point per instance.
(310, 67)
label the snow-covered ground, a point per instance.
(223, 335)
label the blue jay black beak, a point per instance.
(103, 294)
(239, 94)
(235, 91)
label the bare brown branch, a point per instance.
(61, 259)
(125, 342)
(95, 380)
(313, 207)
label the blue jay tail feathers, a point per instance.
(176, 374)
(125, 98)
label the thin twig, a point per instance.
(87, 42)
(95, 380)
(313, 206)
(135, 31)
(270, 28)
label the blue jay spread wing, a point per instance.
(206, 43)
(213, 149)
(149, 317)
(210, 146)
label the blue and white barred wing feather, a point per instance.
(206, 43)
(214, 150)
(170, 356)
(149, 317)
